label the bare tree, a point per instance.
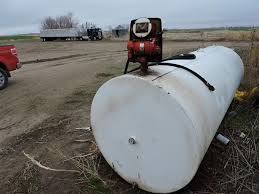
(49, 23)
(60, 22)
(66, 21)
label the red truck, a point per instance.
(8, 62)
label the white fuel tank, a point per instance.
(155, 129)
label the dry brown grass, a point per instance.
(250, 57)
(212, 35)
(233, 168)
(252, 35)
(95, 175)
(252, 63)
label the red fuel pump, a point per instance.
(145, 44)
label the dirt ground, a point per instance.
(47, 100)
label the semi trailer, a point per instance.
(71, 34)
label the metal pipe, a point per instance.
(222, 139)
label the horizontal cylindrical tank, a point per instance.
(155, 129)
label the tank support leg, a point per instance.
(126, 67)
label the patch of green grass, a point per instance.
(18, 37)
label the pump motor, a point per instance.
(145, 44)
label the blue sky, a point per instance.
(25, 16)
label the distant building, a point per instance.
(120, 31)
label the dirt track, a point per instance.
(47, 99)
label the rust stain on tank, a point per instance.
(150, 72)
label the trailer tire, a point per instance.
(3, 79)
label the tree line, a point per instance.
(63, 22)
(68, 21)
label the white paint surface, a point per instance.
(154, 130)
(59, 33)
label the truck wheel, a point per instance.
(3, 79)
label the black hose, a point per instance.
(177, 57)
(181, 57)
(210, 87)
